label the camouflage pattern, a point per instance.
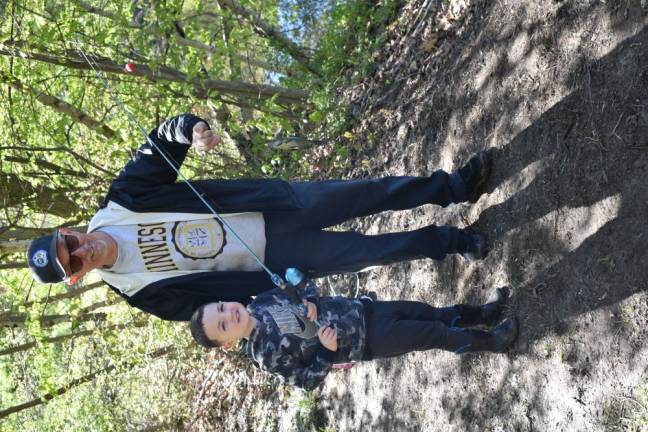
(285, 342)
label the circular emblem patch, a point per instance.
(40, 258)
(199, 239)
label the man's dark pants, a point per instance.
(299, 239)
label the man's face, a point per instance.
(226, 322)
(79, 253)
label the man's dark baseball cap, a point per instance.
(43, 261)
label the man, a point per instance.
(156, 244)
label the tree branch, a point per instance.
(266, 30)
(79, 60)
(75, 383)
(61, 148)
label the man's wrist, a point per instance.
(190, 123)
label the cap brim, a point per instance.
(58, 267)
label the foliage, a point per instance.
(356, 31)
(33, 372)
(344, 51)
(306, 410)
(623, 413)
(67, 118)
(638, 417)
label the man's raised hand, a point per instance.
(203, 138)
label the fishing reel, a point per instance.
(296, 278)
(296, 284)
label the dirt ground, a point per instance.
(560, 90)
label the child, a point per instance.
(283, 337)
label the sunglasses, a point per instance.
(72, 244)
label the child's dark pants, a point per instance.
(299, 239)
(398, 327)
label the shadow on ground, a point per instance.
(572, 152)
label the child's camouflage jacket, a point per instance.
(285, 342)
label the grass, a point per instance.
(627, 414)
(306, 418)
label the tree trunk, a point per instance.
(15, 191)
(111, 301)
(95, 10)
(13, 265)
(60, 106)
(74, 383)
(74, 292)
(29, 233)
(46, 166)
(159, 427)
(61, 338)
(13, 246)
(79, 158)
(18, 320)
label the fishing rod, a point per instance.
(296, 279)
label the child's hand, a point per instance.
(311, 314)
(328, 337)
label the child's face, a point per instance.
(227, 322)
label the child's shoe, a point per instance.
(497, 340)
(504, 335)
(494, 306)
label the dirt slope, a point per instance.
(560, 89)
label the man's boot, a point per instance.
(472, 246)
(475, 174)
